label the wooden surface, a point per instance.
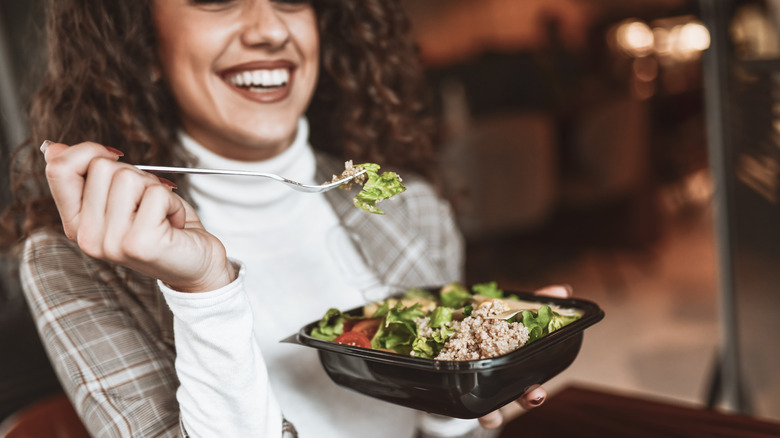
(53, 417)
(582, 412)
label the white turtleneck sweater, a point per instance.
(236, 377)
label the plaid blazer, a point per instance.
(109, 332)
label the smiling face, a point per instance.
(242, 71)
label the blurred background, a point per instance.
(629, 149)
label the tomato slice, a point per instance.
(367, 327)
(348, 324)
(353, 338)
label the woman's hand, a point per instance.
(535, 395)
(120, 214)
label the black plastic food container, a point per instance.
(462, 389)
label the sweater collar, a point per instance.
(297, 162)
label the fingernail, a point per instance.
(569, 289)
(45, 146)
(115, 151)
(537, 401)
(168, 183)
(492, 420)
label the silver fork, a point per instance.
(295, 185)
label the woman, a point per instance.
(162, 316)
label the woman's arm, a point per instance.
(103, 344)
(224, 382)
(113, 362)
(115, 213)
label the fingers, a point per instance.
(97, 197)
(558, 291)
(120, 214)
(196, 260)
(493, 420)
(128, 188)
(192, 219)
(66, 171)
(532, 398)
(111, 193)
(160, 209)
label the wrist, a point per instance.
(213, 279)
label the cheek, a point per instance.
(309, 45)
(166, 30)
(186, 42)
(179, 52)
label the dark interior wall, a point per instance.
(21, 29)
(25, 372)
(23, 23)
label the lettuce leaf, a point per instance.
(544, 322)
(377, 188)
(557, 321)
(455, 295)
(382, 309)
(419, 293)
(442, 335)
(441, 316)
(536, 322)
(330, 326)
(430, 347)
(398, 331)
(489, 290)
(424, 347)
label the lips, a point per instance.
(263, 81)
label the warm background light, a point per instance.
(635, 38)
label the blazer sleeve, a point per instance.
(431, 221)
(119, 376)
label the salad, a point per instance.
(456, 323)
(376, 187)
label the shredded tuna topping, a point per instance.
(477, 337)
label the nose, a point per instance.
(264, 26)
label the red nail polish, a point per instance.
(167, 183)
(115, 151)
(537, 401)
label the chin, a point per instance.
(275, 136)
(271, 137)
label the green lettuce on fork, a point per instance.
(376, 187)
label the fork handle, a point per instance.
(170, 169)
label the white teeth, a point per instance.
(248, 79)
(260, 78)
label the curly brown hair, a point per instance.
(98, 86)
